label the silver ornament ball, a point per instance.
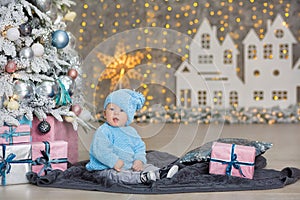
(23, 89)
(43, 5)
(47, 89)
(26, 53)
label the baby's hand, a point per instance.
(137, 165)
(119, 164)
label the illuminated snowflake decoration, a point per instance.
(120, 67)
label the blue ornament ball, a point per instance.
(60, 39)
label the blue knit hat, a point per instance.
(128, 100)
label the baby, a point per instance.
(117, 150)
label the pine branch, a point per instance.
(7, 47)
(6, 86)
(3, 60)
(22, 75)
(29, 7)
(8, 118)
(40, 65)
(61, 3)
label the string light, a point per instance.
(229, 16)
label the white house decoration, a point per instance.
(209, 78)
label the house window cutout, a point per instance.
(185, 69)
(252, 52)
(205, 41)
(279, 95)
(233, 98)
(279, 33)
(202, 98)
(185, 98)
(268, 51)
(276, 72)
(283, 51)
(218, 95)
(205, 59)
(256, 73)
(258, 95)
(227, 56)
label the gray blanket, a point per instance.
(190, 178)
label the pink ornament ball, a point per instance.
(76, 109)
(11, 67)
(73, 73)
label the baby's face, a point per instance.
(114, 115)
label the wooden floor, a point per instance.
(178, 139)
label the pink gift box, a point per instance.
(49, 156)
(232, 160)
(59, 131)
(15, 134)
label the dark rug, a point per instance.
(190, 178)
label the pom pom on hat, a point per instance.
(128, 100)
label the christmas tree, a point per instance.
(40, 68)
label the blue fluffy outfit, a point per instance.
(112, 143)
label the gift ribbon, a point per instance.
(25, 121)
(9, 134)
(63, 97)
(46, 161)
(5, 163)
(233, 163)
